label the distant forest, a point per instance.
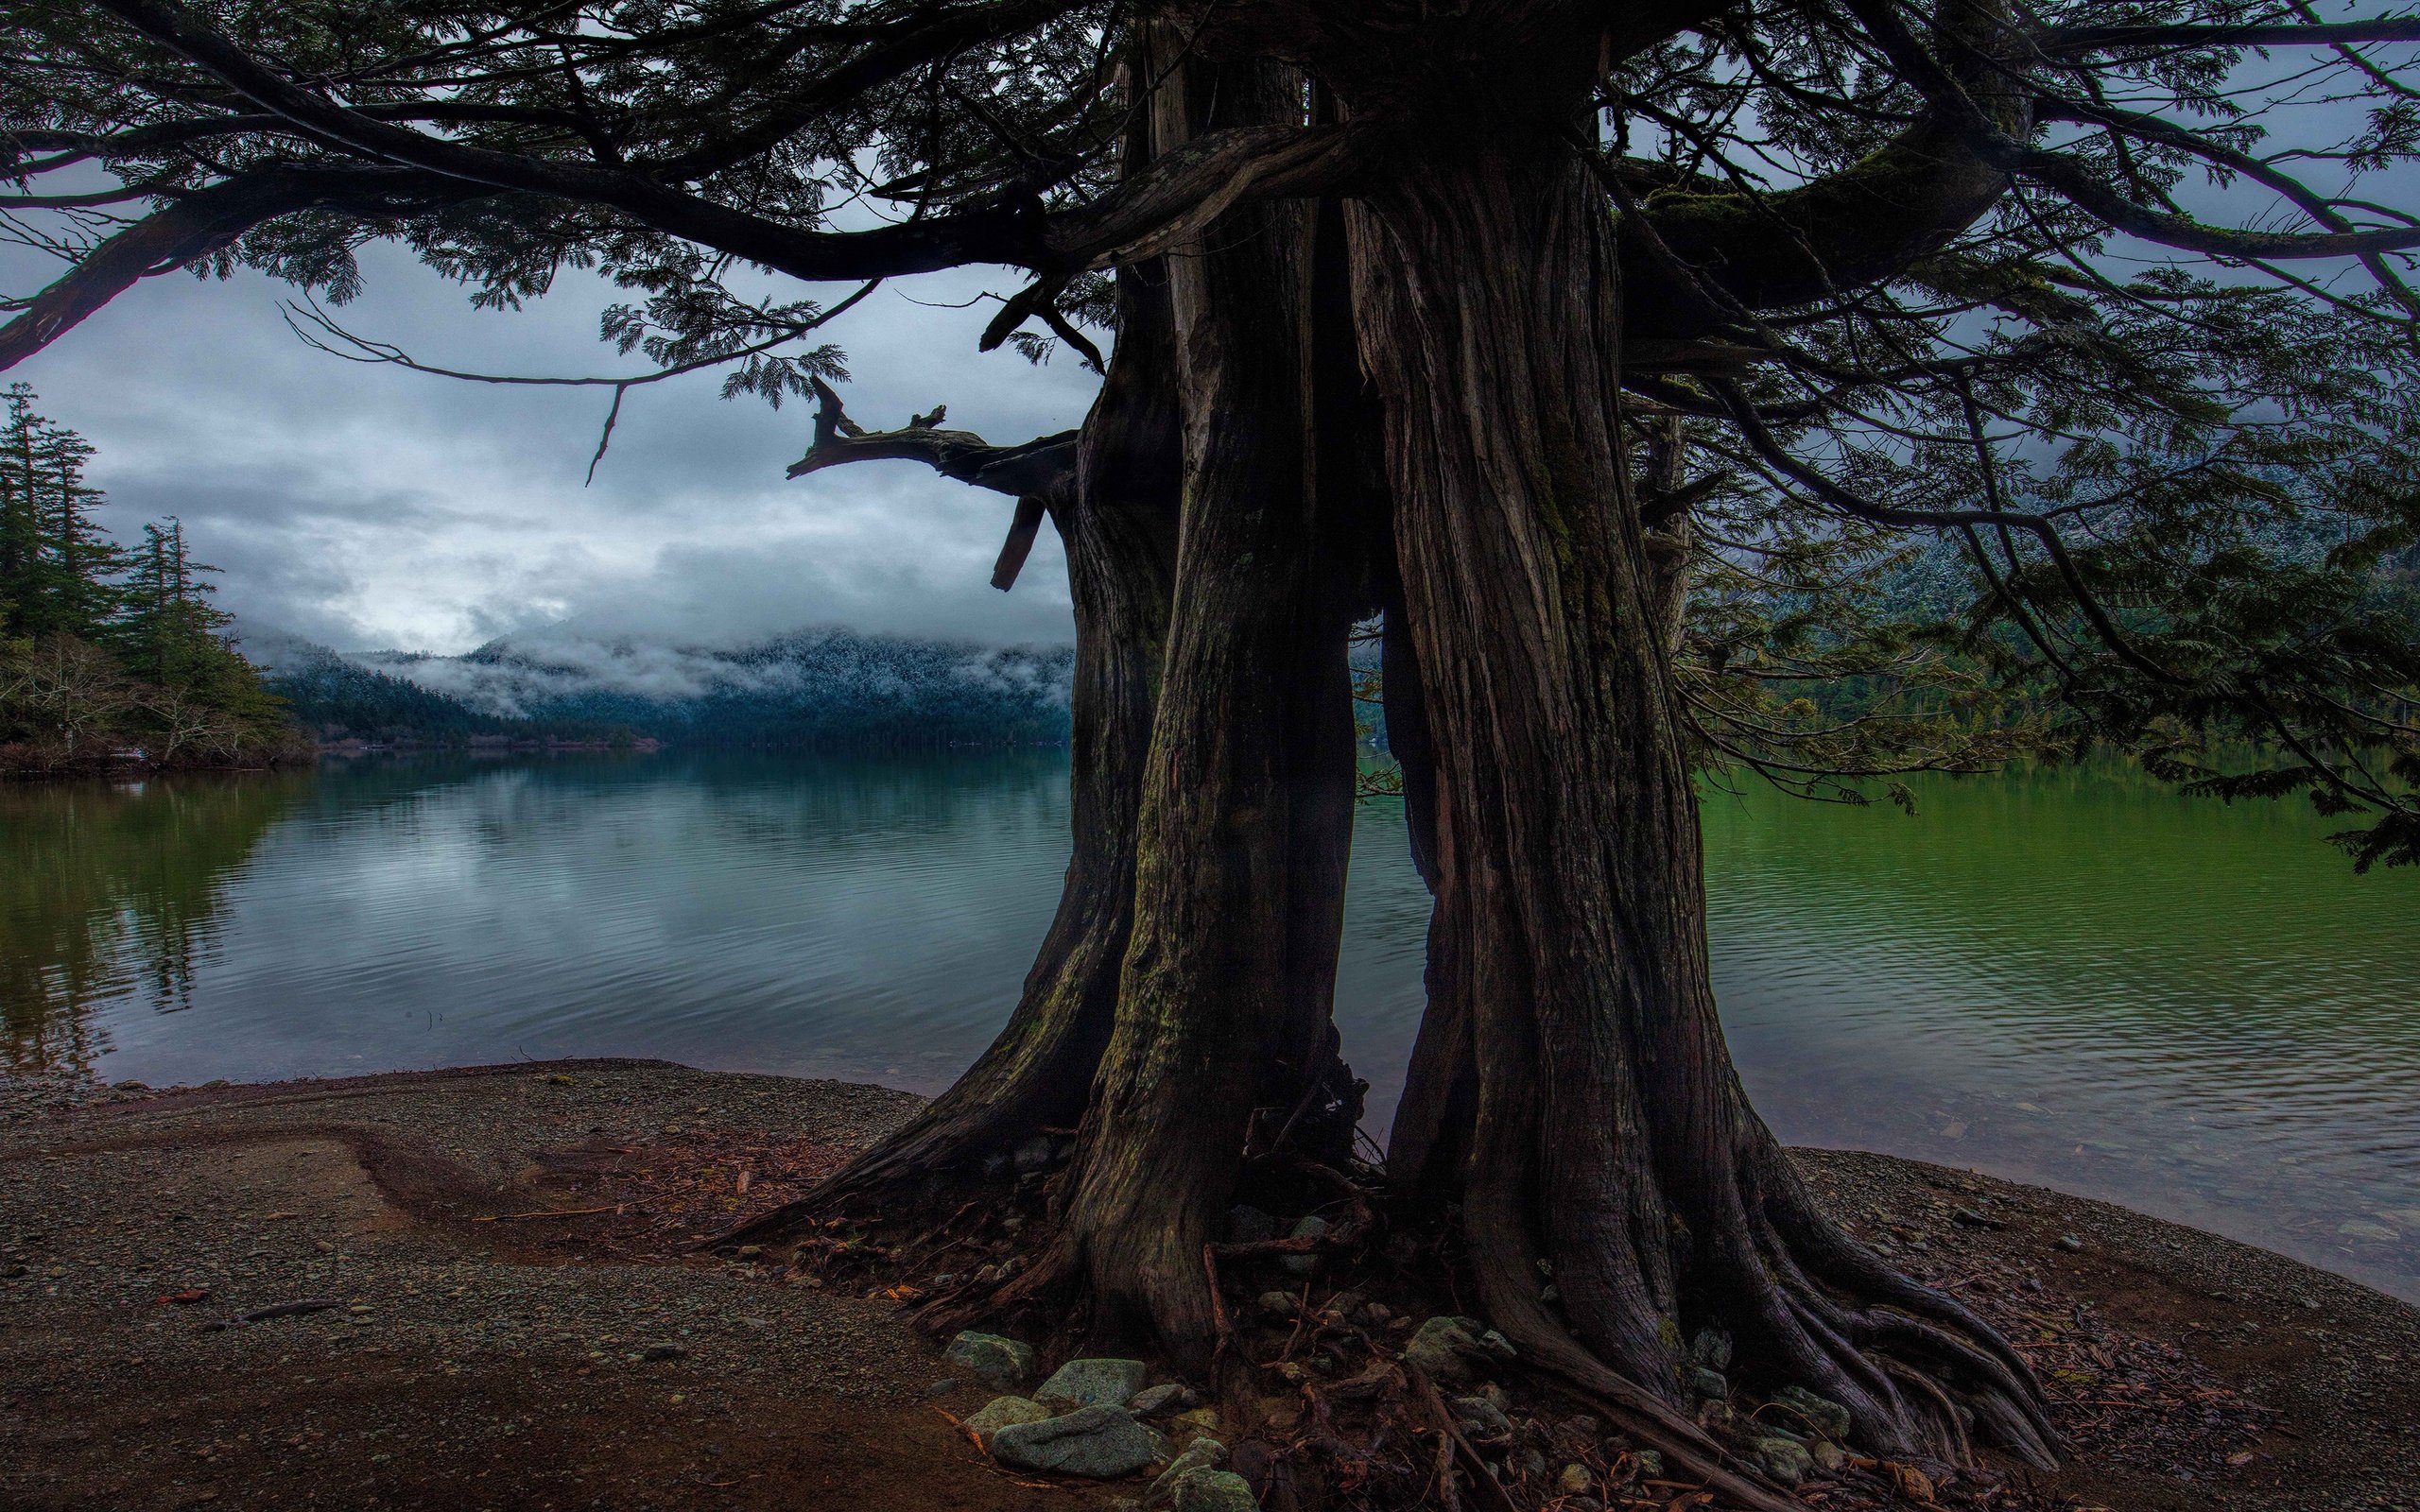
(110, 653)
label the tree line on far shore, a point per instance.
(110, 653)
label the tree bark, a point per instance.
(1607, 1140)
(1118, 524)
(1223, 1012)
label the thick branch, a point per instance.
(1165, 204)
(196, 225)
(1038, 468)
(1870, 221)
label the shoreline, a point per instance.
(371, 1190)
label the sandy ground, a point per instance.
(531, 1362)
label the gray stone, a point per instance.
(1094, 1383)
(1034, 1153)
(1827, 1455)
(1485, 1417)
(1249, 1225)
(1203, 1453)
(1278, 1304)
(1099, 1443)
(1001, 1412)
(1152, 1401)
(2070, 1243)
(1711, 1348)
(1213, 1492)
(1709, 1384)
(1448, 1348)
(1313, 1226)
(996, 1362)
(941, 1388)
(659, 1351)
(1826, 1416)
(1784, 1459)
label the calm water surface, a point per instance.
(2074, 977)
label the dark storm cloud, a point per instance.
(372, 506)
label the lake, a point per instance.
(2071, 977)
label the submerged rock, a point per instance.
(998, 1363)
(1099, 1443)
(1094, 1383)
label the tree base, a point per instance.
(1324, 1396)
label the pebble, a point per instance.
(1785, 1460)
(1213, 1492)
(1444, 1348)
(1576, 1480)
(2070, 1244)
(1152, 1401)
(1480, 1414)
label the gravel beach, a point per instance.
(460, 1320)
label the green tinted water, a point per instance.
(2071, 977)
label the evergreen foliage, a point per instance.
(106, 651)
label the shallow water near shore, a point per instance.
(2071, 977)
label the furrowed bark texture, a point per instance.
(1245, 813)
(1609, 1144)
(1118, 524)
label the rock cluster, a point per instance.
(1088, 1419)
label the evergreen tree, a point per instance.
(57, 565)
(102, 649)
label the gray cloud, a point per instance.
(369, 507)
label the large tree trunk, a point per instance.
(1604, 1137)
(1119, 522)
(1222, 1010)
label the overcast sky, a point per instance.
(368, 507)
